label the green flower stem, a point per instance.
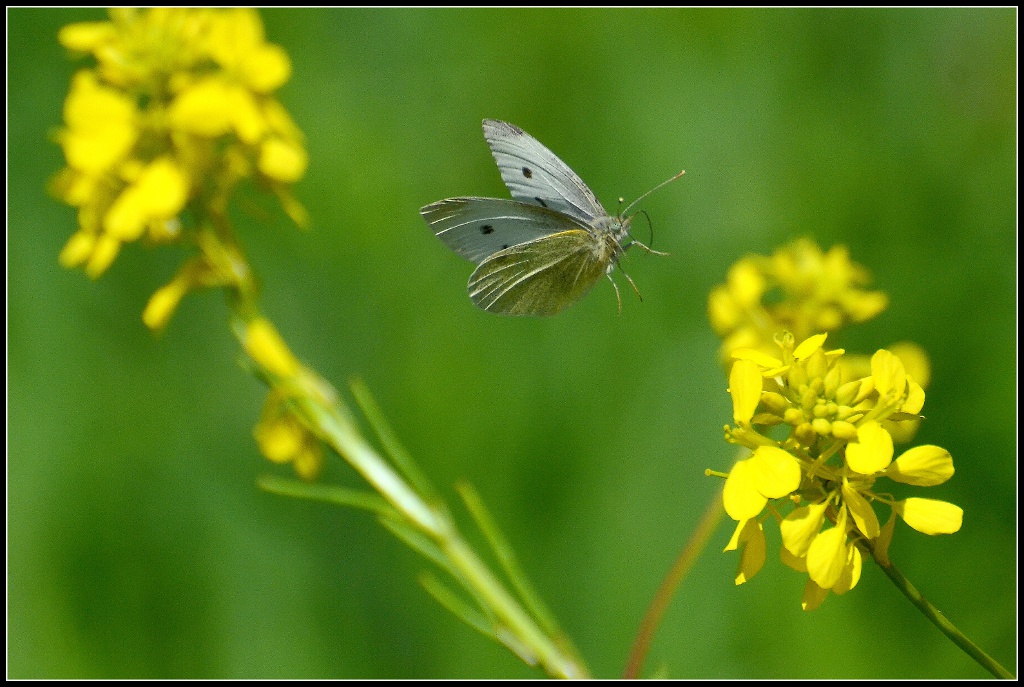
(649, 625)
(940, 621)
(510, 565)
(344, 438)
(508, 610)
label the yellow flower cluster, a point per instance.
(798, 289)
(824, 470)
(281, 436)
(177, 111)
(802, 290)
(283, 439)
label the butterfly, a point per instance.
(537, 254)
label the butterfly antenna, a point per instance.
(664, 183)
(633, 241)
(650, 226)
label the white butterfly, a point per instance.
(539, 253)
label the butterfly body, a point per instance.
(539, 253)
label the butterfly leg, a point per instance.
(647, 248)
(618, 296)
(633, 284)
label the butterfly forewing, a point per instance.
(533, 174)
(478, 227)
(541, 277)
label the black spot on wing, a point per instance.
(487, 229)
(504, 246)
(527, 172)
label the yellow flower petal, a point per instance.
(813, 596)
(280, 439)
(103, 255)
(205, 108)
(881, 545)
(734, 540)
(78, 249)
(753, 553)
(924, 466)
(266, 68)
(872, 451)
(101, 127)
(741, 497)
(809, 346)
(745, 384)
(282, 160)
(861, 510)
(246, 117)
(902, 431)
(162, 304)
(310, 460)
(723, 311)
(74, 187)
(126, 218)
(915, 397)
(775, 472)
(266, 347)
(86, 35)
(800, 527)
(864, 305)
(888, 373)
(756, 356)
(158, 194)
(931, 516)
(826, 557)
(90, 104)
(798, 563)
(745, 282)
(163, 188)
(233, 33)
(851, 572)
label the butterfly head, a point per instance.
(610, 238)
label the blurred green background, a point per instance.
(138, 545)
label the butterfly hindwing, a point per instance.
(535, 175)
(478, 227)
(540, 277)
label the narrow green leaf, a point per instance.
(456, 605)
(389, 440)
(506, 557)
(416, 540)
(340, 496)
